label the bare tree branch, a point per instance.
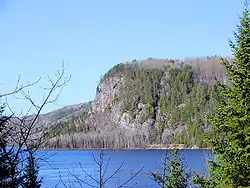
(102, 180)
(25, 133)
(88, 175)
(19, 88)
(131, 178)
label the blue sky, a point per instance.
(91, 36)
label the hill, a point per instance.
(142, 103)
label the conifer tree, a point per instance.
(230, 136)
(31, 173)
(8, 170)
(173, 173)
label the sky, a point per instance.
(91, 36)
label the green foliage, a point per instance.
(31, 171)
(175, 91)
(115, 70)
(186, 101)
(8, 167)
(71, 126)
(173, 173)
(141, 86)
(230, 136)
(13, 174)
(174, 96)
(200, 181)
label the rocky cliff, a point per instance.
(142, 103)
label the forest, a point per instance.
(149, 102)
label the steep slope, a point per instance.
(143, 103)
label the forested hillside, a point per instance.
(144, 103)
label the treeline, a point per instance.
(159, 102)
(100, 132)
(175, 97)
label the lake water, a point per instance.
(60, 167)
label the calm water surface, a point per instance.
(59, 167)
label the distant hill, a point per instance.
(142, 103)
(65, 113)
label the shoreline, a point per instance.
(128, 149)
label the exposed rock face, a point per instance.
(106, 92)
(104, 103)
(140, 104)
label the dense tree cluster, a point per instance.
(167, 100)
(230, 138)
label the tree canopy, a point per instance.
(230, 136)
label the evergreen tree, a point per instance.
(31, 179)
(8, 168)
(173, 173)
(230, 136)
(12, 173)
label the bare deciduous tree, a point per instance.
(23, 133)
(86, 179)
